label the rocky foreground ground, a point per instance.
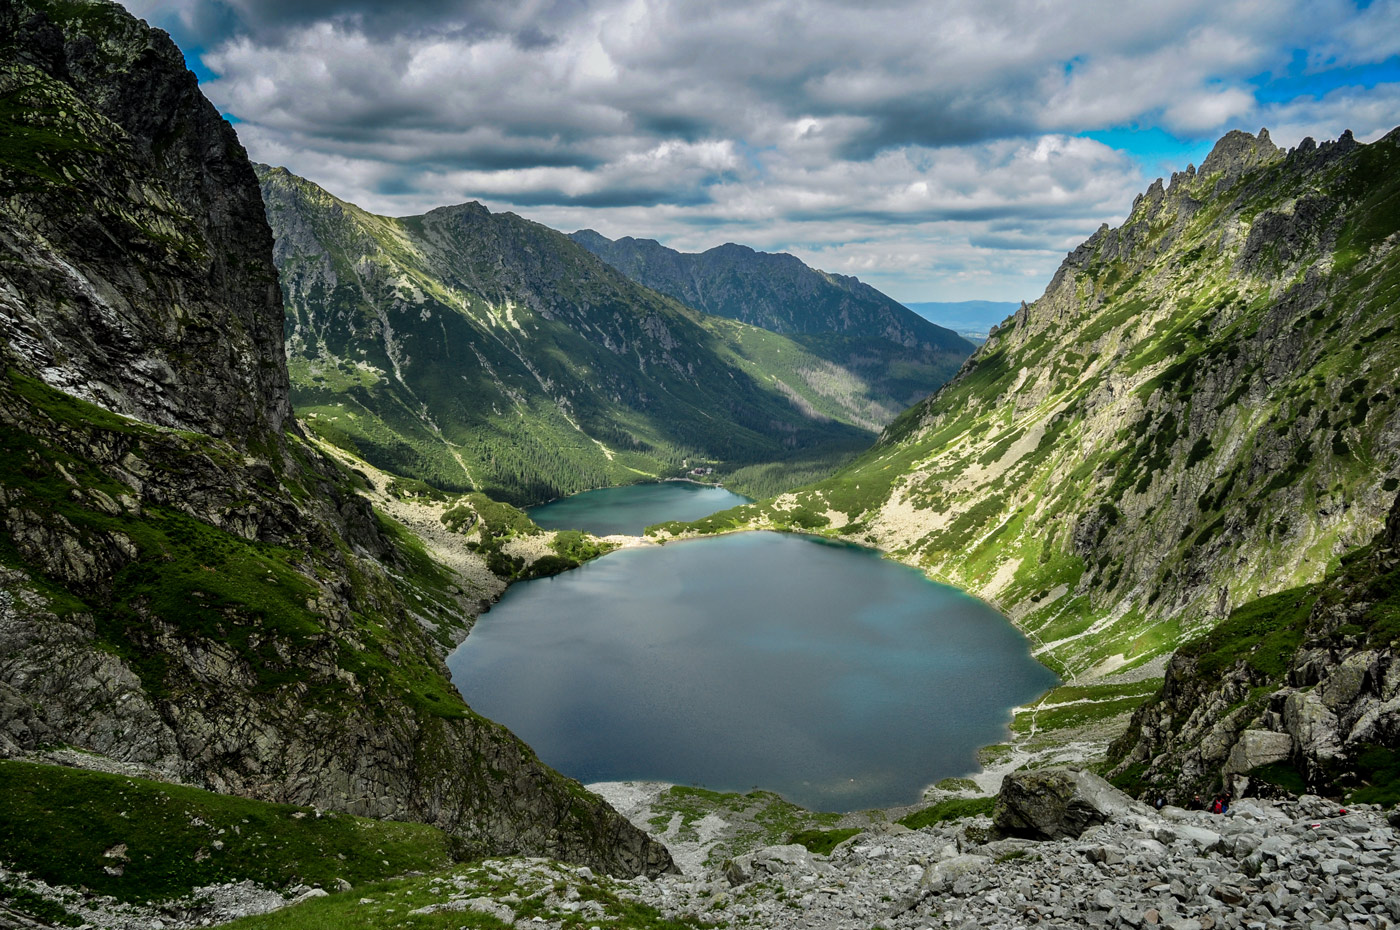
(1113, 863)
(1304, 863)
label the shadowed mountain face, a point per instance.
(137, 258)
(186, 584)
(901, 355)
(482, 350)
(1199, 411)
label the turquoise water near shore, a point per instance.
(815, 669)
(631, 509)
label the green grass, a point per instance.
(37, 140)
(1280, 774)
(758, 818)
(1264, 634)
(948, 809)
(49, 913)
(822, 842)
(535, 892)
(68, 827)
(1379, 770)
(1083, 705)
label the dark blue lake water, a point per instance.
(818, 670)
(632, 509)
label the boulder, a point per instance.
(770, 860)
(782, 858)
(1258, 747)
(1058, 803)
(940, 876)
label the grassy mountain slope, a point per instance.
(1298, 691)
(167, 840)
(1199, 411)
(901, 356)
(482, 351)
(186, 583)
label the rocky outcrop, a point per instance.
(1291, 694)
(1052, 804)
(185, 583)
(138, 272)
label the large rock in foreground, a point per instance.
(1052, 804)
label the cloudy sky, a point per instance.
(942, 150)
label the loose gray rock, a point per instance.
(1057, 804)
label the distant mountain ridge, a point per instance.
(481, 350)
(774, 290)
(900, 356)
(970, 318)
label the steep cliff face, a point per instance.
(185, 583)
(481, 350)
(900, 354)
(1198, 412)
(137, 262)
(1299, 691)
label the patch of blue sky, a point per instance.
(194, 60)
(1158, 152)
(1304, 79)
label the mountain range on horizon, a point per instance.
(971, 319)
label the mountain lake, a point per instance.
(819, 670)
(632, 509)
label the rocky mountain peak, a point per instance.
(589, 238)
(1238, 152)
(472, 209)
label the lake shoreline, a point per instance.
(646, 665)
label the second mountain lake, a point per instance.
(632, 509)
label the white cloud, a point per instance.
(1368, 113)
(913, 142)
